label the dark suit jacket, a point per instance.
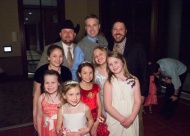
(137, 64)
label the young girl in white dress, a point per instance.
(122, 98)
(100, 63)
(74, 117)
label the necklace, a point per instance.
(52, 99)
(73, 105)
(58, 70)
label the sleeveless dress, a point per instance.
(74, 118)
(100, 80)
(151, 99)
(50, 117)
(89, 97)
(122, 101)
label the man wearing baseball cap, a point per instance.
(67, 33)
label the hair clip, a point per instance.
(86, 62)
(71, 82)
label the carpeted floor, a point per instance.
(177, 125)
(15, 102)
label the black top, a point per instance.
(65, 73)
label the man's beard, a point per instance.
(119, 41)
(67, 41)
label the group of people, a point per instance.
(86, 89)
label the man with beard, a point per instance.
(85, 47)
(136, 59)
(67, 34)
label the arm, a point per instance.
(144, 73)
(108, 102)
(175, 80)
(36, 95)
(39, 115)
(95, 126)
(136, 107)
(59, 120)
(89, 118)
(78, 59)
(43, 59)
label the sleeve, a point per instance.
(43, 59)
(38, 75)
(78, 59)
(175, 79)
(144, 73)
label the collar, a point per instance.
(66, 46)
(92, 39)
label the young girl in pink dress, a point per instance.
(47, 105)
(74, 117)
(151, 99)
(90, 96)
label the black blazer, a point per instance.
(137, 64)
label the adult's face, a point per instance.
(119, 32)
(92, 27)
(67, 36)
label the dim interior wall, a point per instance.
(77, 10)
(11, 62)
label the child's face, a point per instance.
(115, 65)
(56, 57)
(73, 96)
(99, 56)
(51, 84)
(86, 74)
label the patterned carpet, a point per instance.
(15, 102)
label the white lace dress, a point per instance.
(100, 80)
(122, 101)
(74, 118)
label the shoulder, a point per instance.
(41, 69)
(56, 43)
(42, 97)
(84, 39)
(96, 87)
(134, 44)
(86, 107)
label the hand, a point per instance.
(168, 81)
(94, 128)
(83, 131)
(126, 122)
(173, 98)
(35, 123)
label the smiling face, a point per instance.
(99, 56)
(51, 83)
(92, 27)
(115, 65)
(86, 74)
(67, 36)
(73, 96)
(56, 57)
(119, 32)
